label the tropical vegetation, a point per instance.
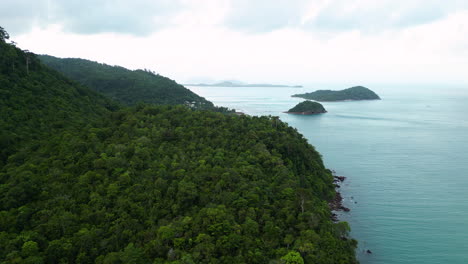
(86, 180)
(126, 86)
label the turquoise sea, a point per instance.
(405, 158)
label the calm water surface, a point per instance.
(405, 158)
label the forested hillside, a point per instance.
(154, 184)
(36, 102)
(126, 86)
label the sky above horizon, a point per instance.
(280, 41)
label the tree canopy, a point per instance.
(84, 180)
(36, 101)
(126, 86)
(3, 35)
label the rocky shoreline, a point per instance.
(336, 204)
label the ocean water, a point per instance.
(405, 158)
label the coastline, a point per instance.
(336, 204)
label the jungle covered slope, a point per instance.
(156, 184)
(126, 86)
(307, 108)
(171, 185)
(353, 93)
(36, 101)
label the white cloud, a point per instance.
(135, 17)
(196, 42)
(264, 15)
(18, 16)
(375, 16)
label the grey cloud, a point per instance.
(141, 17)
(389, 14)
(137, 17)
(18, 16)
(264, 15)
(338, 15)
(134, 17)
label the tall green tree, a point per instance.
(293, 258)
(3, 35)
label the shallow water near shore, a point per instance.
(405, 158)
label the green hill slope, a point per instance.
(126, 86)
(36, 101)
(168, 184)
(155, 184)
(353, 93)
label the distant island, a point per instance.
(239, 84)
(307, 108)
(351, 94)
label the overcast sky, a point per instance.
(276, 41)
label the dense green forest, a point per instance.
(97, 183)
(308, 107)
(126, 86)
(36, 101)
(353, 93)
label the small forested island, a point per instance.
(307, 108)
(355, 93)
(240, 84)
(86, 179)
